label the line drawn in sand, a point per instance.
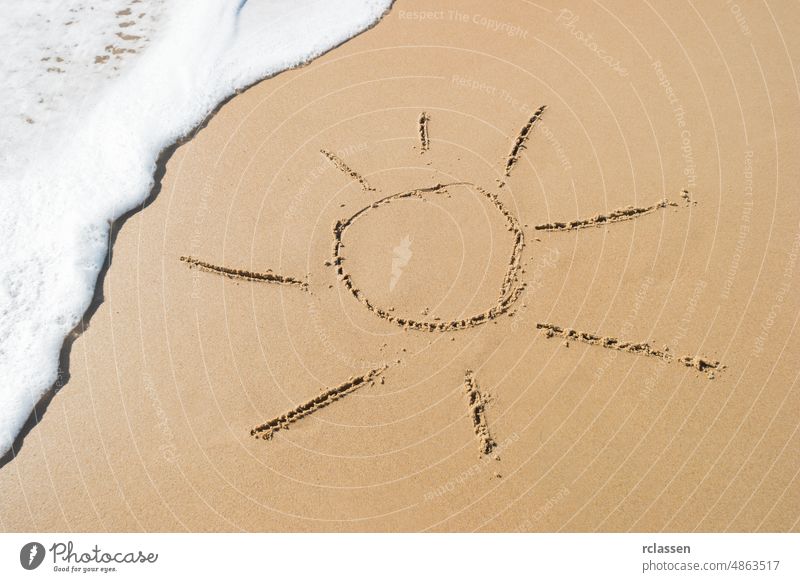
(510, 291)
(269, 428)
(640, 348)
(619, 215)
(477, 413)
(339, 164)
(266, 277)
(519, 143)
(424, 140)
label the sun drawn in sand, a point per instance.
(511, 288)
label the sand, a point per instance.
(438, 362)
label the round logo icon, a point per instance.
(31, 555)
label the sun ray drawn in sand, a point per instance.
(511, 288)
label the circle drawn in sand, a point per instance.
(510, 289)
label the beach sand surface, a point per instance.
(152, 430)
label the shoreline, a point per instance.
(97, 297)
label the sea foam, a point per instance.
(93, 92)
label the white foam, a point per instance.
(79, 143)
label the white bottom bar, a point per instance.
(376, 557)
